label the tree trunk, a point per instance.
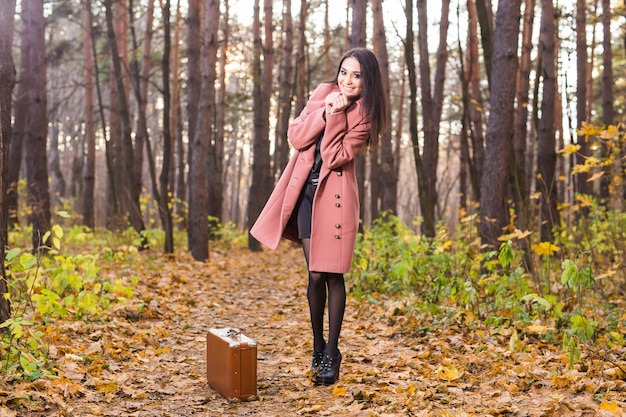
(164, 185)
(607, 89)
(432, 103)
(358, 32)
(281, 154)
(194, 81)
(129, 195)
(412, 76)
(582, 184)
(519, 168)
(301, 79)
(485, 19)
(261, 176)
(141, 80)
(89, 174)
(198, 226)
(7, 81)
(471, 137)
(499, 138)
(387, 175)
(20, 123)
(215, 168)
(358, 36)
(546, 141)
(220, 117)
(37, 127)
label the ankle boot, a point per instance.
(329, 370)
(316, 363)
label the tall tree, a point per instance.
(165, 211)
(607, 86)
(215, 161)
(387, 175)
(128, 192)
(519, 168)
(261, 185)
(198, 226)
(485, 19)
(409, 54)
(285, 80)
(301, 78)
(546, 140)
(7, 81)
(583, 185)
(37, 126)
(358, 37)
(493, 189)
(432, 104)
(471, 137)
(178, 166)
(140, 75)
(358, 32)
(20, 124)
(89, 173)
(194, 77)
(220, 117)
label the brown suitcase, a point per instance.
(231, 363)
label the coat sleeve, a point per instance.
(341, 142)
(305, 129)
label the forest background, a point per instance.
(498, 187)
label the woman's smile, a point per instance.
(349, 78)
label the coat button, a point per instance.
(337, 237)
(337, 205)
(337, 196)
(337, 226)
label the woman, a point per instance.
(316, 200)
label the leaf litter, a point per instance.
(148, 357)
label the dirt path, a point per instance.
(150, 360)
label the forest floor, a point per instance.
(149, 359)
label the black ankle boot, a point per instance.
(329, 370)
(316, 363)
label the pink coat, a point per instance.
(335, 217)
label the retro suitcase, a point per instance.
(231, 363)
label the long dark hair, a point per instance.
(372, 91)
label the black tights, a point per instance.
(319, 282)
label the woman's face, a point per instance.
(349, 78)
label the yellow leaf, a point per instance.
(538, 329)
(581, 168)
(595, 176)
(584, 200)
(569, 149)
(107, 387)
(545, 248)
(588, 129)
(610, 132)
(448, 373)
(611, 407)
(517, 234)
(339, 392)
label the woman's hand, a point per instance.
(336, 102)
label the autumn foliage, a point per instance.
(434, 327)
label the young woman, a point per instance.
(316, 200)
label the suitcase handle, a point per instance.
(233, 333)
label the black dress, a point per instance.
(304, 206)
